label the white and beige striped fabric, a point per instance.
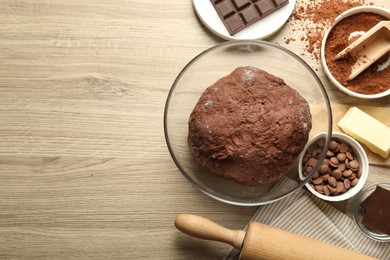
(303, 213)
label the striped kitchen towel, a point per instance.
(302, 213)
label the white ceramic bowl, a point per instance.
(360, 155)
(261, 29)
(360, 9)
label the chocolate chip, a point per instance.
(354, 182)
(333, 162)
(347, 173)
(341, 166)
(332, 190)
(329, 153)
(312, 162)
(325, 177)
(354, 165)
(332, 181)
(343, 147)
(337, 174)
(324, 169)
(347, 183)
(317, 181)
(319, 188)
(333, 146)
(326, 161)
(349, 156)
(339, 186)
(341, 157)
(326, 191)
(308, 170)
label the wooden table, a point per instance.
(84, 168)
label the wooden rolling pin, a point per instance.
(262, 241)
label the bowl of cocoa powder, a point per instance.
(343, 172)
(373, 82)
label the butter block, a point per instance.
(367, 130)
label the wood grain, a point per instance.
(84, 168)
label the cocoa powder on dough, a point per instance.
(370, 81)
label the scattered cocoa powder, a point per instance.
(371, 80)
(313, 18)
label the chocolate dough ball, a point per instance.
(249, 126)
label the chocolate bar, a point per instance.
(239, 14)
(377, 211)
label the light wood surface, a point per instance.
(84, 168)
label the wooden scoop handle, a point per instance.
(263, 241)
(206, 229)
(364, 38)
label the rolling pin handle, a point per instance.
(203, 228)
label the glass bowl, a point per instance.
(215, 63)
(358, 212)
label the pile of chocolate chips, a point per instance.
(339, 171)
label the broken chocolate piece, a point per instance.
(239, 14)
(377, 211)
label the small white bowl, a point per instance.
(360, 9)
(360, 155)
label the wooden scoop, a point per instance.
(368, 48)
(263, 242)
